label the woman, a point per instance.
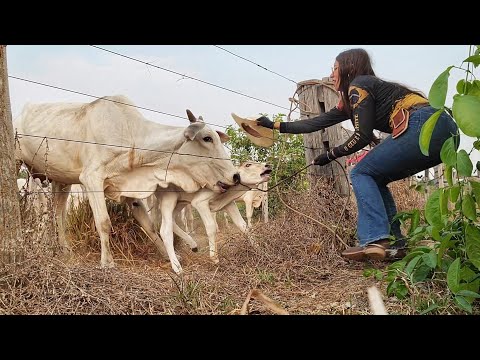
(373, 103)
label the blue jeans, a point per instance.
(394, 159)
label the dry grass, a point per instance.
(293, 260)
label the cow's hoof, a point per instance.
(195, 249)
(109, 265)
(177, 269)
(215, 260)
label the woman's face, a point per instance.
(335, 76)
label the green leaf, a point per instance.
(476, 145)
(461, 87)
(474, 89)
(367, 272)
(476, 190)
(474, 59)
(443, 199)
(432, 209)
(448, 174)
(415, 220)
(448, 153)
(421, 273)
(438, 91)
(468, 207)
(427, 131)
(454, 192)
(378, 275)
(464, 164)
(435, 235)
(469, 293)
(444, 244)
(453, 276)
(412, 255)
(463, 304)
(467, 274)
(392, 287)
(466, 112)
(411, 265)
(401, 291)
(397, 265)
(472, 242)
(430, 259)
(429, 309)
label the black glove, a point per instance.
(265, 122)
(323, 159)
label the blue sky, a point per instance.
(89, 70)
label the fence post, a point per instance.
(10, 221)
(317, 97)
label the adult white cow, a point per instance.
(208, 202)
(110, 148)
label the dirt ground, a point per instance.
(289, 265)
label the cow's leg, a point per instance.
(182, 234)
(237, 218)
(96, 198)
(167, 206)
(60, 195)
(249, 211)
(189, 216)
(139, 212)
(203, 209)
(214, 214)
(152, 203)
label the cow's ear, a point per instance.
(223, 137)
(192, 130)
(191, 117)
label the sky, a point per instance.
(90, 70)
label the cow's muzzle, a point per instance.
(236, 178)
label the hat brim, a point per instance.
(259, 135)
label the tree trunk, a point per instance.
(10, 221)
(317, 97)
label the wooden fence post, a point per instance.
(10, 221)
(317, 97)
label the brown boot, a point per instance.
(356, 253)
(376, 250)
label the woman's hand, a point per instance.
(265, 122)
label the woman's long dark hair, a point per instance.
(352, 63)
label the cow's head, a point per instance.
(204, 157)
(254, 173)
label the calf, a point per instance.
(207, 202)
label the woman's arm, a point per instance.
(319, 122)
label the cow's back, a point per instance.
(71, 132)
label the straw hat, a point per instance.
(259, 135)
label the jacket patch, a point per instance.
(356, 95)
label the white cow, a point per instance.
(253, 199)
(109, 147)
(207, 202)
(76, 196)
(36, 193)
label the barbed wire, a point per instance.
(105, 99)
(188, 77)
(250, 61)
(121, 146)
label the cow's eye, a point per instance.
(207, 139)
(247, 165)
